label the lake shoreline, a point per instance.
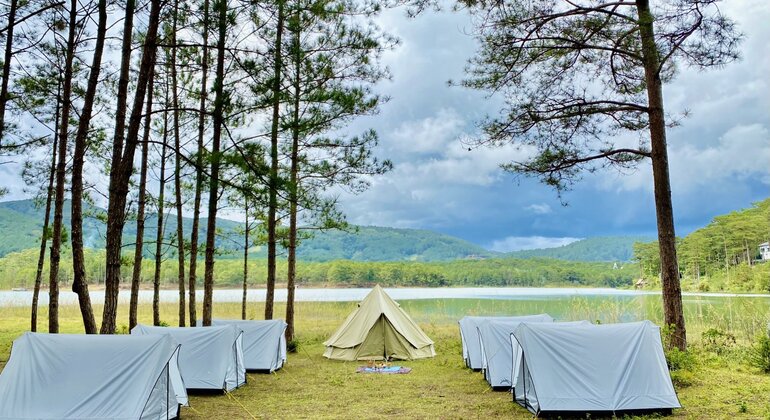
(348, 294)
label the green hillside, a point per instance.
(388, 244)
(723, 255)
(21, 226)
(599, 248)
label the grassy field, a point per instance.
(715, 380)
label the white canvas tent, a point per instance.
(264, 343)
(210, 358)
(378, 329)
(603, 369)
(515, 367)
(494, 337)
(469, 335)
(67, 376)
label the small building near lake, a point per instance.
(764, 251)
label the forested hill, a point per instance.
(723, 255)
(21, 225)
(599, 248)
(388, 244)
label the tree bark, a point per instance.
(79, 283)
(123, 79)
(177, 175)
(61, 169)
(199, 167)
(293, 192)
(218, 120)
(121, 174)
(116, 209)
(7, 67)
(273, 179)
(44, 239)
(672, 292)
(159, 235)
(245, 260)
(140, 214)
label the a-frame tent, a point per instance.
(496, 350)
(78, 376)
(378, 329)
(264, 342)
(210, 358)
(514, 363)
(469, 335)
(609, 369)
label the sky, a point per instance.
(719, 156)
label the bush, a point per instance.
(759, 356)
(292, 346)
(683, 378)
(718, 341)
(679, 360)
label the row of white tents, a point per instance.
(142, 376)
(566, 368)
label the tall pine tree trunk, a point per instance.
(245, 260)
(49, 195)
(199, 166)
(159, 235)
(136, 274)
(272, 206)
(115, 217)
(293, 191)
(218, 120)
(177, 175)
(120, 174)
(61, 168)
(672, 292)
(79, 283)
(7, 66)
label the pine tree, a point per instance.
(575, 74)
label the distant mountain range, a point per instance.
(21, 227)
(598, 248)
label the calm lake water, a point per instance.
(23, 298)
(746, 314)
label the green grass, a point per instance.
(718, 383)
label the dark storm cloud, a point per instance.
(720, 155)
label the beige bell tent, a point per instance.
(376, 330)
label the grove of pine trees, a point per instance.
(723, 255)
(222, 104)
(185, 108)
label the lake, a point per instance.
(741, 313)
(23, 298)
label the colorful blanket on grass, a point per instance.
(386, 370)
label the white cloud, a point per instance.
(428, 135)
(542, 208)
(11, 181)
(517, 243)
(742, 153)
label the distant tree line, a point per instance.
(536, 272)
